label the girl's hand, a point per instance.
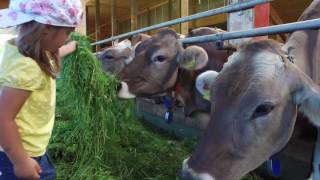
(67, 49)
(29, 169)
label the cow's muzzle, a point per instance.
(124, 92)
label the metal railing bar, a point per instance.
(227, 9)
(277, 29)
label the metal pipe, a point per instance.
(283, 28)
(227, 9)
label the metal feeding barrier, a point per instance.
(276, 29)
(227, 9)
(273, 164)
(283, 28)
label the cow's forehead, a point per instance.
(245, 73)
(262, 61)
(165, 40)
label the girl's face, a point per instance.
(55, 37)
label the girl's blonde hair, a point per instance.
(29, 43)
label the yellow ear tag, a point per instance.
(191, 64)
(206, 95)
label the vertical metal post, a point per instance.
(194, 11)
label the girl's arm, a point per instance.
(67, 49)
(11, 101)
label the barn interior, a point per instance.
(106, 18)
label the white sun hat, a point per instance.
(66, 13)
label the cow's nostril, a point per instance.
(119, 86)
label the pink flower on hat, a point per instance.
(73, 11)
(13, 15)
(40, 7)
(22, 7)
(65, 13)
(62, 18)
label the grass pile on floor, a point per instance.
(96, 135)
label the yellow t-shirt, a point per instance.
(36, 117)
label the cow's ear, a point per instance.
(307, 97)
(204, 82)
(194, 58)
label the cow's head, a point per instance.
(217, 57)
(155, 69)
(256, 97)
(114, 58)
(136, 39)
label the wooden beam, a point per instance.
(113, 18)
(82, 28)
(106, 3)
(134, 14)
(194, 11)
(98, 23)
(170, 9)
(209, 21)
(87, 19)
(4, 4)
(275, 16)
(184, 12)
(149, 20)
(276, 19)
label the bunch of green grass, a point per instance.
(96, 135)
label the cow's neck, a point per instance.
(305, 44)
(179, 88)
(185, 93)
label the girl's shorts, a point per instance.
(7, 173)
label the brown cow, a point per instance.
(216, 57)
(136, 39)
(155, 70)
(116, 57)
(256, 97)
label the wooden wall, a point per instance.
(4, 4)
(171, 9)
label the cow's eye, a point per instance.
(107, 57)
(263, 109)
(160, 58)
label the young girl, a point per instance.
(27, 83)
